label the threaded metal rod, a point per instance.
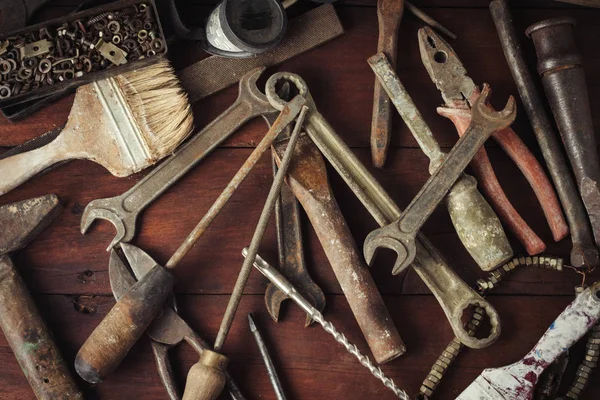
(279, 280)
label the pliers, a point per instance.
(459, 92)
(169, 329)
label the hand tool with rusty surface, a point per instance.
(277, 278)
(122, 211)
(478, 227)
(125, 123)
(453, 294)
(14, 14)
(517, 381)
(168, 329)
(264, 352)
(206, 380)
(560, 67)
(24, 329)
(584, 250)
(291, 252)
(307, 177)
(389, 15)
(121, 328)
(400, 236)
(459, 93)
(586, 3)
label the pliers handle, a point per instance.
(530, 168)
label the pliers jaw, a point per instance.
(445, 69)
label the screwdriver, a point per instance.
(279, 280)
(206, 379)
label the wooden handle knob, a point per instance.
(110, 342)
(206, 378)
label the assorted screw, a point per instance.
(68, 51)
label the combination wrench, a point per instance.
(400, 236)
(453, 294)
(122, 211)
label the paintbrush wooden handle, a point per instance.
(17, 169)
(567, 329)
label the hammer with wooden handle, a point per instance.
(27, 334)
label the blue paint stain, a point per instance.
(552, 326)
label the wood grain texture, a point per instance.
(67, 272)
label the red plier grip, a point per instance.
(529, 167)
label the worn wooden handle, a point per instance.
(31, 340)
(16, 170)
(110, 342)
(206, 378)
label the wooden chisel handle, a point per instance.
(488, 182)
(31, 340)
(122, 327)
(307, 177)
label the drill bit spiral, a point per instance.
(364, 360)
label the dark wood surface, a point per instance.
(67, 272)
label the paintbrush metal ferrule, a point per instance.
(128, 134)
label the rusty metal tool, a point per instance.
(264, 352)
(110, 342)
(308, 180)
(453, 294)
(584, 250)
(168, 329)
(517, 381)
(206, 380)
(277, 278)
(24, 329)
(459, 93)
(122, 211)
(290, 251)
(428, 20)
(400, 236)
(560, 67)
(389, 15)
(586, 3)
(478, 227)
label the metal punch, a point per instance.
(169, 329)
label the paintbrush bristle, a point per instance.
(159, 105)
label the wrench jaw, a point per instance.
(390, 237)
(497, 120)
(279, 103)
(460, 331)
(248, 89)
(97, 210)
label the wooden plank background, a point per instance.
(67, 272)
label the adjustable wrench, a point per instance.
(401, 235)
(122, 211)
(453, 294)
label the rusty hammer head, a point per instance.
(22, 221)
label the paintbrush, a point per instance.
(125, 123)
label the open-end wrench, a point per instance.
(290, 248)
(401, 235)
(122, 211)
(453, 294)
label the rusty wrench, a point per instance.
(122, 211)
(453, 294)
(389, 15)
(290, 249)
(401, 235)
(459, 92)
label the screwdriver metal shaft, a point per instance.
(264, 352)
(285, 286)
